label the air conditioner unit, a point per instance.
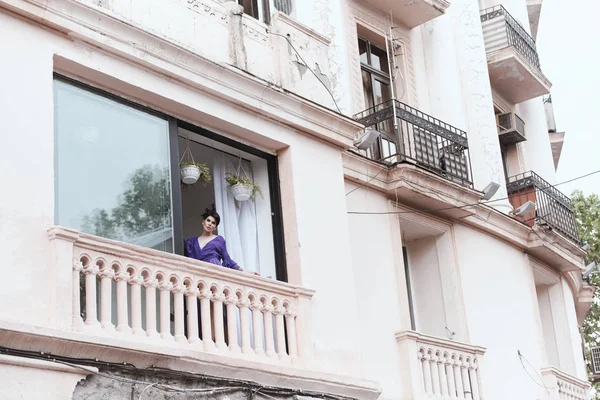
(511, 128)
(595, 354)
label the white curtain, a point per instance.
(238, 219)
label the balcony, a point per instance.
(411, 13)
(562, 386)
(553, 208)
(411, 136)
(438, 368)
(154, 300)
(513, 62)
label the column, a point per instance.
(76, 310)
(205, 316)
(257, 326)
(268, 324)
(245, 326)
(290, 322)
(122, 279)
(192, 316)
(91, 305)
(107, 274)
(165, 310)
(280, 332)
(178, 292)
(151, 284)
(232, 333)
(218, 300)
(136, 304)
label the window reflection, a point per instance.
(112, 169)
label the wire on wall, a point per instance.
(287, 37)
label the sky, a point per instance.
(568, 43)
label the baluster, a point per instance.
(426, 373)
(192, 316)
(268, 324)
(280, 332)
(91, 316)
(232, 332)
(165, 310)
(473, 375)
(443, 379)
(245, 326)
(77, 321)
(106, 277)
(205, 297)
(256, 308)
(151, 284)
(179, 329)
(290, 322)
(218, 300)
(465, 378)
(122, 316)
(435, 374)
(136, 304)
(460, 389)
(451, 378)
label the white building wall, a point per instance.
(501, 308)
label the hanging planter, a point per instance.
(191, 171)
(241, 187)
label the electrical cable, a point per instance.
(464, 205)
(521, 358)
(234, 384)
(308, 67)
(366, 182)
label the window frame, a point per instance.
(174, 124)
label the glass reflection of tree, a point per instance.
(142, 208)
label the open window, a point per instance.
(117, 176)
(264, 9)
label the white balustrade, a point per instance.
(441, 369)
(198, 305)
(562, 386)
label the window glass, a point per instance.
(362, 49)
(112, 169)
(379, 59)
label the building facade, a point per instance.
(382, 271)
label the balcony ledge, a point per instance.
(411, 13)
(412, 185)
(514, 77)
(564, 386)
(80, 345)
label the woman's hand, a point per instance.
(253, 273)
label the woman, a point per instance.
(209, 247)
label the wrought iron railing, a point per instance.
(418, 138)
(553, 208)
(516, 35)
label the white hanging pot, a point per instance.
(190, 174)
(241, 192)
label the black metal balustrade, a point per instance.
(553, 208)
(418, 138)
(516, 35)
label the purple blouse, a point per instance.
(214, 252)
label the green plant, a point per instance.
(235, 179)
(205, 176)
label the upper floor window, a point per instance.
(264, 9)
(117, 175)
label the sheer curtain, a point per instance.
(238, 221)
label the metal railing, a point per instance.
(516, 35)
(553, 208)
(418, 138)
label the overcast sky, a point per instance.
(569, 47)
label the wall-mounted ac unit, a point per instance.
(595, 355)
(511, 128)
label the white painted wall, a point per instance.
(501, 307)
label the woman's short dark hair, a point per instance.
(212, 213)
